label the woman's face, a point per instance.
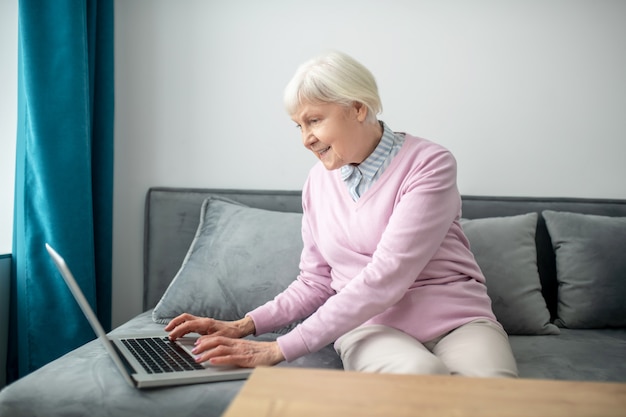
(334, 133)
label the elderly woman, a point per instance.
(386, 270)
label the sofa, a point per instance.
(555, 269)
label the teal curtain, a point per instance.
(64, 176)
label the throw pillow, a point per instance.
(505, 250)
(240, 258)
(591, 268)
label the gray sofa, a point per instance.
(557, 279)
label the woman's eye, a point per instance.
(298, 127)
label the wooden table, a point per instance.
(297, 392)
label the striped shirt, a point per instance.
(359, 178)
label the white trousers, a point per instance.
(480, 349)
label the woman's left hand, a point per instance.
(220, 350)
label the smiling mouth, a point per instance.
(321, 152)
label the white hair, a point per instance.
(333, 78)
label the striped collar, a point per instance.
(372, 163)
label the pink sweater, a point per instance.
(397, 256)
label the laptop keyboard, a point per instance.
(159, 354)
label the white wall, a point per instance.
(8, 118)
(530, 95)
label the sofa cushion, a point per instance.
(575, 354)
(505, 250)
(240, 258)
(591, 269)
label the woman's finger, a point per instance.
(176, 321)
(180, 330)
(194, 325)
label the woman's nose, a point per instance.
(307, 138)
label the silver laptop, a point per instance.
(149, 360)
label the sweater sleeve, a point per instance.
(428, 204)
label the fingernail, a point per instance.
(194, 350)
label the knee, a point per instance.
(397, 364)
(382, 349)
(478, 349)
(486, 368)
(423, 365)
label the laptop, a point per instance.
(149, 360)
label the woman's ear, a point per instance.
(361, 111)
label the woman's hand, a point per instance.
(187, 323)
(221, 343)
(220, 350)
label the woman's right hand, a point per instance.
(187, 323)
